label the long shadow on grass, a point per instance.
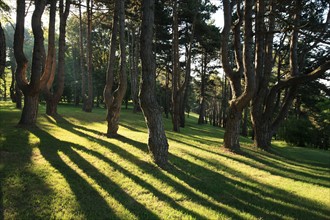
(23, 193)
(248, 195)
(270, 166)
(148, 168)
(92, 203)
(274, 199)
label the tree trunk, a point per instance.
(176, 96)
(231, 138)
(2, 51)
(82, 60)
(90, 98)
(262, 134)
(135, 72)
(52, 99)
(30, 110)
(245, 121)
(201, 118)
(115, 107)
(157, 142)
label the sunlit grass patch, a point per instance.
(66, 168)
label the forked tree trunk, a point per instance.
(157, 141)
(115, 107)
(30, 89)
(52, 99)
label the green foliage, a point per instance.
(65, 168)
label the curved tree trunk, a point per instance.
(115, 106)
(30, 90)
(157, 142)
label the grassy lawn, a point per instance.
(65, 168)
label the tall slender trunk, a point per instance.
(202, 102)
(157, 141)
(135, 71)
(90, 97)
(82, 59)
(2, 51)
(176, 96)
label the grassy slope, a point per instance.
(66, 169)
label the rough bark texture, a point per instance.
(30, 89)
(30, 110)
(115, 106)
(157, 142)
(231, 137)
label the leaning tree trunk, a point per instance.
(157, 142)
(115, 106)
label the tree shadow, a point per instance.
(261, 160)
(147, 168)
(84, 192)
(245, 195)
(258, 197)
(17, 179)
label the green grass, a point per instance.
(65, 168)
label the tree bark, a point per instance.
(231, 136)
(157, 142)
(115, 106)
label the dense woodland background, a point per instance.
(263, 74)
